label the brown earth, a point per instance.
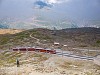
(10, 31)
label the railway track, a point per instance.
(75, 56)
(64, 53)
(68, 54)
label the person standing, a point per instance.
(17, 62)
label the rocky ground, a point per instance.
(46, 64)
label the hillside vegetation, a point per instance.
(76, 37)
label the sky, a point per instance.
(75, 11)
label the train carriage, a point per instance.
(23, 49)
(31, 49)
(51, 51)
(15, 49)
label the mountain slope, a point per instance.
(77, 37)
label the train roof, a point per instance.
(22, 47)
(39, 48)
(48, 49)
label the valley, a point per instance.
(80, 53)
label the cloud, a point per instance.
(42, 4)
(48, 3)
(56, 1)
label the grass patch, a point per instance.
(37, 55)
(98, 42)
(11, 60)
(40, 36)
(21, 36)
(4, 40)
(72, 65)
(83, 46)
(66, 65)
(96, 67)
(8, 57)
(43, 58)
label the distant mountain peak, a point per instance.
(4, 26)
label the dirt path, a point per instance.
(38, 40)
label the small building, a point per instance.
(65, 45)
(56, 43)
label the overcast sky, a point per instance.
(51, 9)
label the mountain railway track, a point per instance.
(50, 51)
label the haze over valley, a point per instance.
(28, 14)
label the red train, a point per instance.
(35, 49)
(24, 49)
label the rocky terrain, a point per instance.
(33, 63)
